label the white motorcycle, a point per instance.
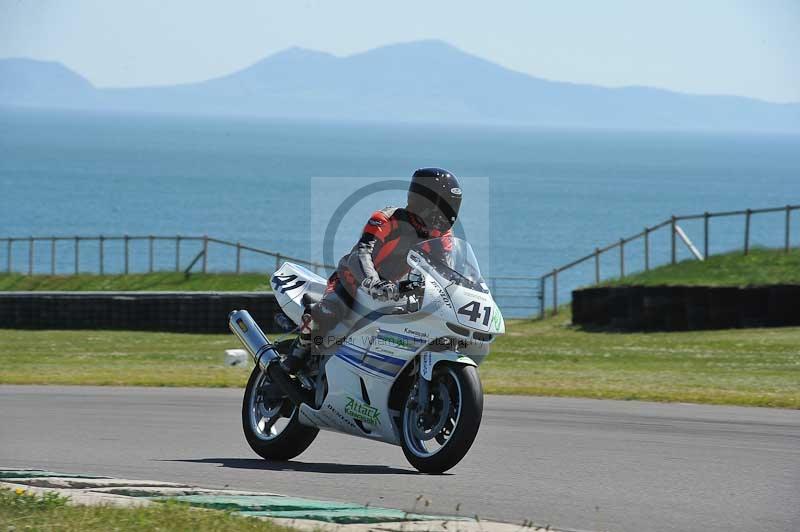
(404, 374)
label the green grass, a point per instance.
(23, 511)
(759, 267)
(117, 358)
(759, 367)
(163, 281)
(756, 367)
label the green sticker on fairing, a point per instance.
(362, 411)
(497, 320)
(391, 340)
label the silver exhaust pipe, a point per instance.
(242, 324)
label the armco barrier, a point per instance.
(683, 308)
(196, 312)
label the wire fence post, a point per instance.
(30, 256)
(8, 255)
(150, 240)
(673, 253)
(238, 257)
(706, 216)
(788, 224)
(127, 239)
(178, 253)
(102, 258)
(205, 253)
(747, 214)
(53, 256)
(77, 254)
(646, 249)
(555, 292)
(621, 258)
(541, 297)
(597, 265)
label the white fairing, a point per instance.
(346, 407)
(362, 369)
(453, 302)
(290, 283)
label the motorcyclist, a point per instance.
(377, 261)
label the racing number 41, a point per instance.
(472, 311)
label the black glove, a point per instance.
(381, 290)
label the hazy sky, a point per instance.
(749, 48)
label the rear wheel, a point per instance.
(437, 438)
(270, 422)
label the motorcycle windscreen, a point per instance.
(454, 259)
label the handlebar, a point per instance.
(407, 288)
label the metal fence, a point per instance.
(154, 262)
(675, 233)
(517, 296)
(68, 255)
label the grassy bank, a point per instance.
(759, 267)
(759, 367)
(160, 282)
(21, 511)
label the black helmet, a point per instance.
(435, 196)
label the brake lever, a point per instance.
(406, 286)
(410, 287)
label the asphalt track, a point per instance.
(570, 463)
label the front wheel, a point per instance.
(270, 421)
(438, 437)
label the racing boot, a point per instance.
(301, 348)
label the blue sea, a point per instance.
(534, 198)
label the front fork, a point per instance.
(428, 360)
(423, 393)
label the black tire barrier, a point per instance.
(686, 308)
(190, 312)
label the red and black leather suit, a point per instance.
(380, 254)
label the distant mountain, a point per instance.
(41, 83)
(424, 81)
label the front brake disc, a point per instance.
(426, 428)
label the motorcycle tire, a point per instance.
(289, 443)
(464, 432)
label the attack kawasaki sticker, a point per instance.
(362, 411)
